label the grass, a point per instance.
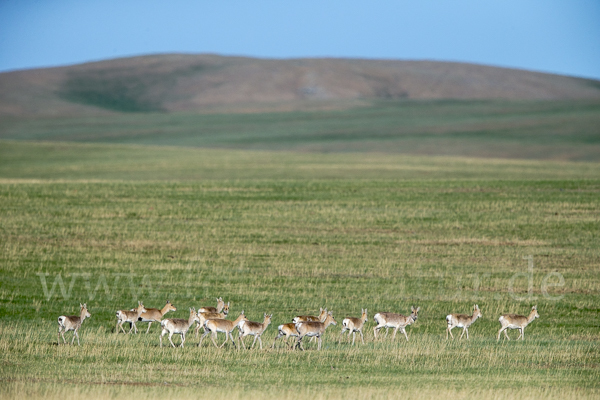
(288, 233)
(499, 129)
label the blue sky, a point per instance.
(557, 36)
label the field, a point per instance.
(287, 233)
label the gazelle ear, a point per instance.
(534, 308)
(418, 309)
(80, 305)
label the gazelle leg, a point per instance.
(202, 338)
(506, 334)
(277, 337)
(226, 337)
(259, 342)
(182, 339)
(386, 332)
(319, 340)
(362, 337)
(148, 330)
(171, 340)
(467, 330)
(299, 343)
(395, 331)
(231, 337)
(241, 339)
(341, 333)
(213, 336)
(462, 334)
(405, 335)
(353, 337)
(254, 341)
(522, 333)
(161, 336)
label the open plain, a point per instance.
(384, 206)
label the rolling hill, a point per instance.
(209, 83)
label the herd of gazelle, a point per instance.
(212, 320)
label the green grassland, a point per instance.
(564, 130)
(287, 233)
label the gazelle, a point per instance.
(72, 323)
(217, 309)
(313, 329)
(311, 318)
(178, 326)
(514, 321)
(397, 321)
(308, 318)
(155, 314)
(286, 330)
(462, 321)
(255, 329)
(221, 325)
(354, 325)
(205, 316)
(129, 316)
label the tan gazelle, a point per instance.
(217, 309)
(226, 326)
(255, 329)
(129, 316)
(461, 321)
(72, 323)
(205, 316)
(156, 314)
(178, 326)
(354, 325)
(514, 321)
(286, 330)
(310, 318)
(397, 321)
(313, 329)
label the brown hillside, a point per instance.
(177, 82)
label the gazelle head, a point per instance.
(84, 311)
(141, 307)
(364, 314)
(322, 314)
(194, 315)
(226, 309)
(534, 312)
(170, 307)
(476, 311)
(329, 319)
(415, 311)
(267, 318)
(241, 318)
